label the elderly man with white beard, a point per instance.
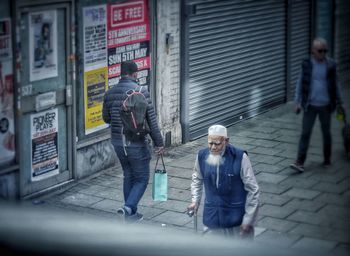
(231, 191)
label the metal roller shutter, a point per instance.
(299, 39)
(342, 40)
(236, 61)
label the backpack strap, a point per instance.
(140, 89)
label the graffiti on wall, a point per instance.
(94, 158)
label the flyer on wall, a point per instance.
(44, 138)
(7, 128)
(95, 85)
(95, 37)
(42, 45)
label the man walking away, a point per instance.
(317, 93)
(231, 191)
(134, 156)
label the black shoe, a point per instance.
(326, 164)
(133, 218)
(297, 166)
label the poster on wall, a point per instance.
(44, 155)
(5, 39)
(42, 45)
(128, 38)
(95, 65)
(95, 85)
(7, 129)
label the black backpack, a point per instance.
(133, 115)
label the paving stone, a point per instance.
(304, 204)
(313, 245)
(272, 188)
(263, 129)
(337, 212)
(277, 239)
(270, 177)
(290, 133)
(276, 224)
(110, 193)
(92, 189)
(261, 167)
(330, 187)
(333, 199)
(310, 218)
(81, 199)
(288, 139)
(258, 231)
(289, 154)
(258, 158)
(264, 143)
(112, 183)
(179, 194)
(240, 140)
(275, 211)
(245, 147)
(174, 205)
(266, 151)
(299, 182)
(107, 205)
(181, 183)
(340, 224)
(180, 172)
(273, 199)
(323, 175)
(341, 250)
(313, 231)
(339, 235)
(302, 193)
(149, 212)
(258, 135)
(170, 217)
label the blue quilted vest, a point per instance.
(224, 205)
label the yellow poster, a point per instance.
(95, 86)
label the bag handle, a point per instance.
(155, 168)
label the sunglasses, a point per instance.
(322, 50)
(211, 143)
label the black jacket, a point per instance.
(111, 107)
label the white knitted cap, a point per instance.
(217, 130)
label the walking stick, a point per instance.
(195, 222)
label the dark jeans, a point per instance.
(324, 115)
(136, 170)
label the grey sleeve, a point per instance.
(197, 183)
(252, 188)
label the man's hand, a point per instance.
(193, 207)
(245, 230)
(159, 150)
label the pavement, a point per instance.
(305, 211)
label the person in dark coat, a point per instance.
(134, 156)
(317, 94)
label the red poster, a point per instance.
(128, 38)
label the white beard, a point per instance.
(214, 160)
